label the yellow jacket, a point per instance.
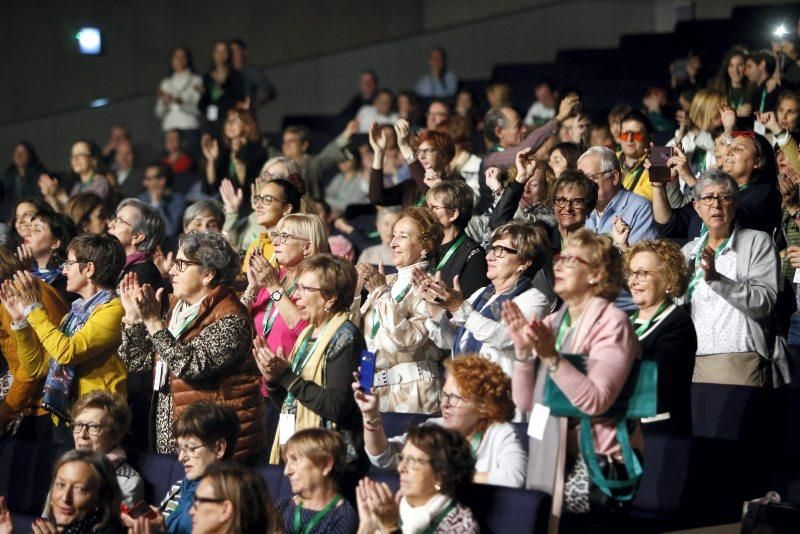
(637, 179)
(264, 243)
(92, 349)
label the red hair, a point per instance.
(441, 142)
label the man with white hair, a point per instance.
(632, 213)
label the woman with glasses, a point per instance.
(312, 387)
(99, 422)
(657, 275)
(205, 433)
(574, 198)
(86, 164)
(435, 468)
(408, 378)
(140, 229)
(458, 255)
(231, 498)
(272, 200)
(45, 247)
(732, 291)
(588, 276)
(428, 164)
(470, 322)
(475, 402)
(201, 351)
(315, 463)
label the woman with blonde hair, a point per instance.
(588, 276)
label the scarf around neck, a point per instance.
(183, 316)
(416, 519)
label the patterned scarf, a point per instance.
(46, 275)
(58, 384)
(493, 311)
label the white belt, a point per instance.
(656, 418)
(403, 373)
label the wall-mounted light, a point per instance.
(90, 41)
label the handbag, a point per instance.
(638, 398)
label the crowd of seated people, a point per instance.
(236, 304)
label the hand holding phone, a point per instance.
(658, 158)
(366, 376)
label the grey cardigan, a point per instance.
(753, 292)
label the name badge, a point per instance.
(160, 377)
(538, 421)
(212, 113)
(285, 427)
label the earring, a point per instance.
(592, 282)
(437, 487)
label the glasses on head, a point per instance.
(189, 450)
(499, 250)
(412, 462)
(425, 151)
(93, 429)
(451, 399)
(118, 219)
(181, 264)
(306, 289)
(640, 276)
(205, 500)
(280, 238)
(267, 200)
(568, 260)
(632, 137)
(576, 203)
(709, 199)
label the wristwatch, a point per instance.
(552, 364)
(276, 295)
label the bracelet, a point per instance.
(131, 322)
(371, 428)
(552, 364)
(248, 298)
(411, 159)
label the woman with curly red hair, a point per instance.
(428, 164)
(475, 402)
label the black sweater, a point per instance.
(468, 262)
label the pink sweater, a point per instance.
(604, 333)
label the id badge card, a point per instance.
(538, 421)
(160, 377)
(286, 427)
(212, 113)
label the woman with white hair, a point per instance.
(140, 229)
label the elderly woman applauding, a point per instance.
(588, 275)
(394, 319)
(202, 349)
(312, 386)
(473, 325)
(657, 274)
(476, 403)
(732, 291)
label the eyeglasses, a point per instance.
(282, 237)
(412, 461)
(69, 263)
(600, 173)
(709, 200)
(204, 500)
(189, 450)
(425, 151)
(81, 155)
(451, 399)
(117, 218)
(576, 203)
(640, 275)
(499, 251)
(569, 261)
(631, 136)
(306, 289)
(181, 264)
(92, 428)
(434, 207)
(267, 200)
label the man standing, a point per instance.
(634, 140)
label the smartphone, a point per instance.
(366, 373)
(140, 509)
(659, 172)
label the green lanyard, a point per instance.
(420, 201)
(303, 355)
(376, 324)
(84, 186)
(438, 519)
(646, 326)
(633, 178)
(698, 272)
(215, 92)
(298, 527)
(232, 169)
(450, 252)
(563, 328)
(475, 442)
(271, 313)
(763, 100)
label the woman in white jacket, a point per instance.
(178, 95)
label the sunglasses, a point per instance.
(636, 137)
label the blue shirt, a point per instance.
(430, 87)
(170, 208)
(179, 521)
(635, 210)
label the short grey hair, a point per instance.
(291, 166)
(147, 222)
(715, 177)
(212, 207)
(494, 118)
(608, 160)
(213, 253)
